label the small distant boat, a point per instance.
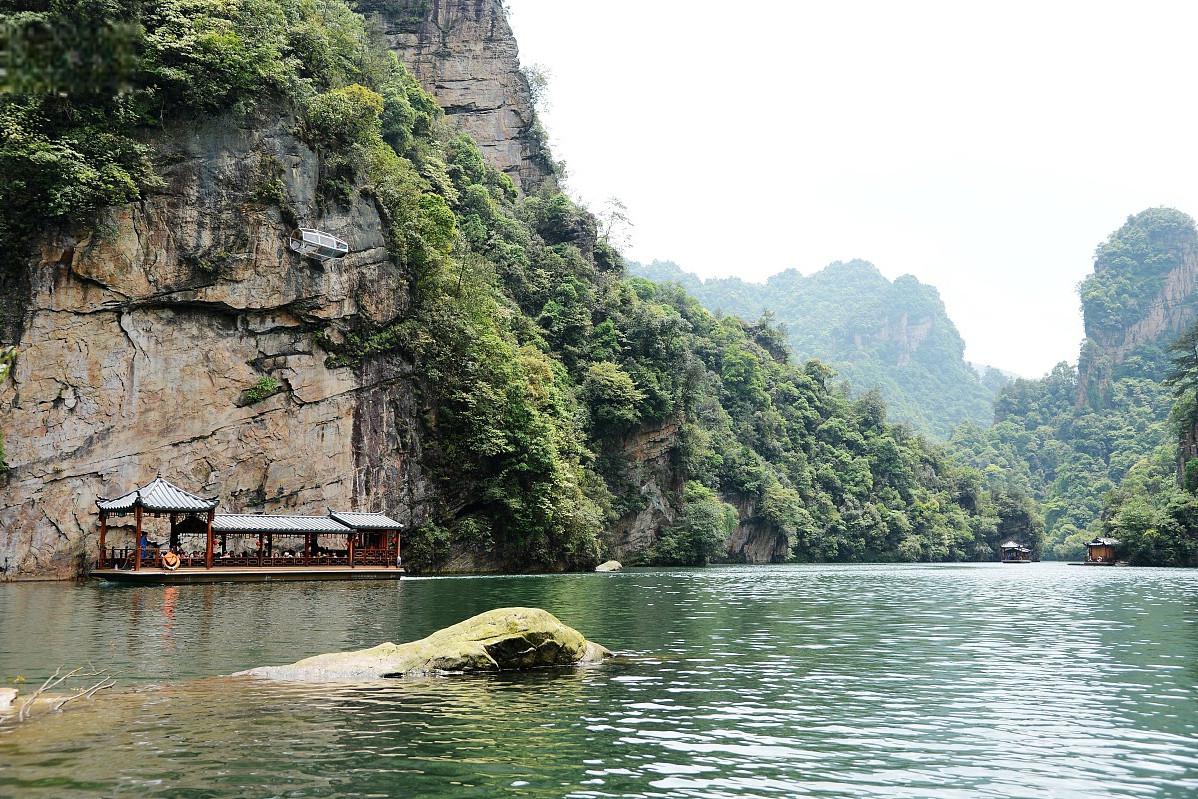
(1014, 552)
(1102, 552)
(317, 244)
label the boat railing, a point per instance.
(124, 558)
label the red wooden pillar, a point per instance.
(307, 549)
(137, 538)
(103, 536)
(397, 535)
(350, 537)
(208, 553)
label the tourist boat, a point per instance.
(1014, 552)
(341, 545)
(317, 244)
(1102, 552)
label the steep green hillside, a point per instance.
(534, 359)
(892, 336)
(1154, 510)
(1075, 434)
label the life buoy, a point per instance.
(170, 560)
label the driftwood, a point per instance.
(44, 699)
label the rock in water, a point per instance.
(609, 566)
(505, 639)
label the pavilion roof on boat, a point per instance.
(158, 496)
(256, 523)
(365, 521)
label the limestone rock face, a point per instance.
(1171, 312)
(651, 471)
(140, 340)
(465, 55)
(754, 540)
(505, 639)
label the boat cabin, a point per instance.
(199, 538)
(1014, 552)
(317, 244)
(1102, 552)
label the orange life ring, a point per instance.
(170, 560)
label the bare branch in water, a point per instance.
(58, 678)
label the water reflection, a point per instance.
(796, 681)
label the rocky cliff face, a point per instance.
(652, 474)
(755, 540)
(900, 336)
(1172, 311)
(465, 55)
(141, 339)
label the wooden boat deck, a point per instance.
(255, 574)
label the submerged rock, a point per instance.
(609, 566)
(505, 639)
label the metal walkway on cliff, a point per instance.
(317, 244)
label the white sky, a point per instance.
(984, 148)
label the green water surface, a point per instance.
(831, 681)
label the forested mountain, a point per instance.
(1074, 435)
(877, 334)
(479, 366)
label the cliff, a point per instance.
(140, 341)
(135, 339)
(464, 53)
(1141, 297)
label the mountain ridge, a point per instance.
(895, 336)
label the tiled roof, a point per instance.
(160, 496)
(255, 523)
(365, 521)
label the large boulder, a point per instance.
(505, 639)
(609, 566)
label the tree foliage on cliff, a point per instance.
(1154, 510)
(536, 357)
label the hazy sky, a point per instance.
(986, 149)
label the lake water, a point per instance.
(830, 681)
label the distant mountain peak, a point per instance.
(891, 335)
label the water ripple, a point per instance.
(832, 681)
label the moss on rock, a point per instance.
(505, 639)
